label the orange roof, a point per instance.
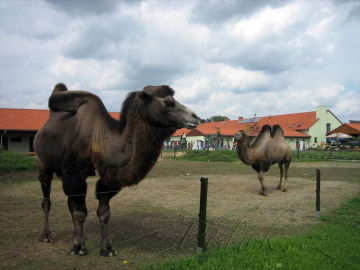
(355, 126)
(290, 123)
(348, 128)
(180, 132)
(294, 121)
(27, 119)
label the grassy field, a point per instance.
(332, 244)
(157, 220)
(10, 161)
(231, 156)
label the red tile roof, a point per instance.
(355, 126)
(293, 121)
(348, 128)
(27, 119)
(33, 120)
(180, 132)
(292, 124)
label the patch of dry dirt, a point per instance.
(158, 218)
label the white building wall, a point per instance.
(23, 145)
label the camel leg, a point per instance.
(281, 167)
(287, 165)
(104, 194)
(261, 179)
(45, 178)
(75, 188)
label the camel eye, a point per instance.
(170, 103)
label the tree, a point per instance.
(216, 118)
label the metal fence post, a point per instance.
(202, 215)
(317, 193)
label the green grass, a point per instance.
(333, 244)
(11, 161)
(304, 156)
(325, 155)
(211, 156)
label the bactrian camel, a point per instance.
(268, 148)
(81, 137)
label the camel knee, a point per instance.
(46, 205)
(103, 214)
(80, 216)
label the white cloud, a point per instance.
(267, 22)
(240, 79)
(225, 57)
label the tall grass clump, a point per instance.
(11, 161)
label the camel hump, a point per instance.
(68, 101)
(60, 87)
(264, 129)
(277, 131)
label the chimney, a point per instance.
(241, 118)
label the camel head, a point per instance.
(240, 136)
(160, 108)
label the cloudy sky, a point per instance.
(234, 58)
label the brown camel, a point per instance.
(80, 136)
(268, 148)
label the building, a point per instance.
(352, 128)
(307, 129)
(19, 126)
(303, 130)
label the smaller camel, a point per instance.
(268, 148)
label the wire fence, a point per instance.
(164, 237)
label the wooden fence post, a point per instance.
(202, 215)
(317, 193)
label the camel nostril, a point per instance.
(194, 116)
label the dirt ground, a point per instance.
(157, 219)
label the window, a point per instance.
(16, 139)
(328, 128)
(315, 140)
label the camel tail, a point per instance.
(277, 131)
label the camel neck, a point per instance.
(245, 152)
(134, 152)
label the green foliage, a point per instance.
(231, 156)
(216, 118)
(11, 161)
(211, 156)
(333, 244)
(323, 155)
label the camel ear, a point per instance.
(145, 96)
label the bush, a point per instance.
(11, 161)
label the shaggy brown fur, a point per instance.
(80, 136)
(268, 148)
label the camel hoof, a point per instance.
(284, 190)
(108, 252)
(78, 250)
(46, 238)
(262, 193)
(278, 188)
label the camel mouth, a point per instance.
(191, 125)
